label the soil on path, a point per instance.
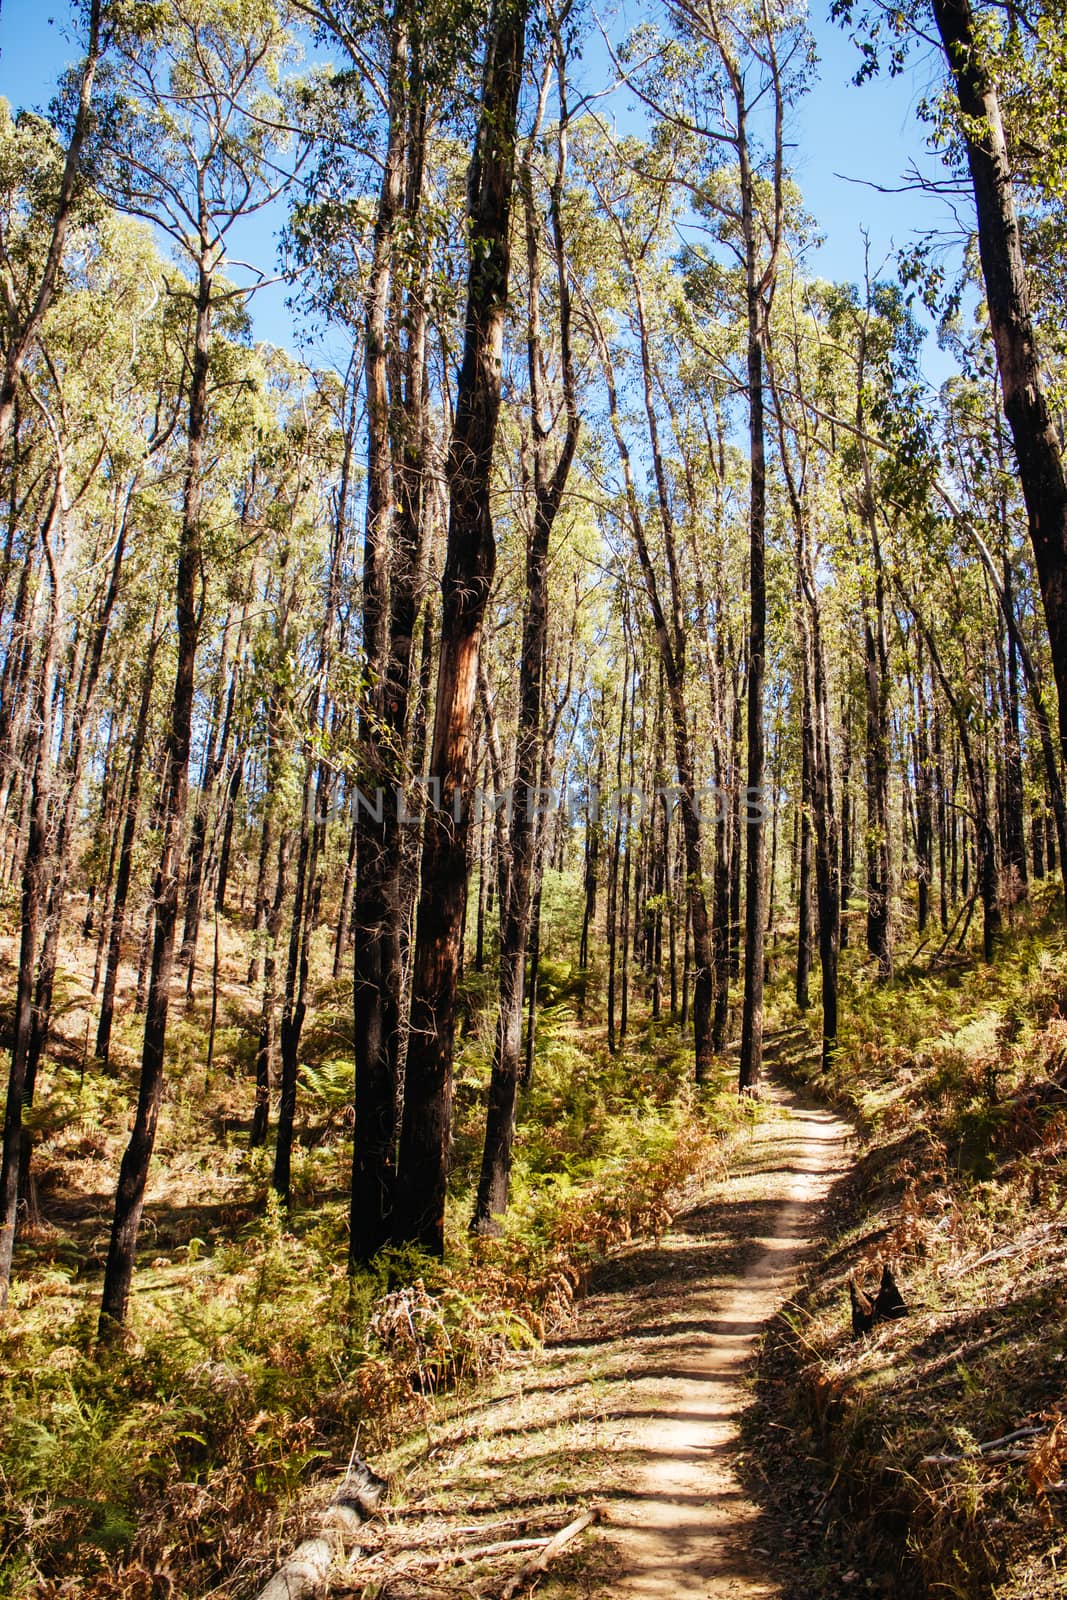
(637, 1408)
(687, 1531)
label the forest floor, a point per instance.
(633, 1411)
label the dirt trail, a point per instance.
(687, 1529)
(637, 1407)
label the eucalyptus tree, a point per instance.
(466, 582)
(34, 866)
(378, 271)
(804, 450)
(95, 391)
(549, 482)
(33, 238)
(109, 360)
(197, 141)
(867, 389)
(981, 494)
(747, 62)
(640, 219)
(996, 124)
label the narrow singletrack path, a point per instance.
(686, 1530)
(636, 1408)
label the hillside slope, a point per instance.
(928, 1455)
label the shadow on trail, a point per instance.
(586, 1429)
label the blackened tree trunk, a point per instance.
(827, 860)
(133, 1174)
(125, 865)
(375, 978)
(845, 870)
(924, 798)
(469, 566)
(294, 1001)
(1038, 449)
(267, 1048)
(34, 869)
(751, 1059)
(876, 684)
(549, 483)
(804, 899)
(394, 561)
(1014, 804)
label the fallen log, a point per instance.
(305, 1572)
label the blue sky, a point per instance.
(842, 133)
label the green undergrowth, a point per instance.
(957, 1081)
(176, 1465)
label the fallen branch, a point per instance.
(1010, 1438)
(411, 1540)
(526, 1520)
(992, 1450)
(461, 1556)
(530, 1569)
(478, 1552)
(995, 1456)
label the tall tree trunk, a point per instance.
(751, 1059)
(845, 871)
(34, 868)
(399, 538)
(374, 955)
(548, 488)
(469, 565)
(876, 682)
(125, 866)
(804, 902)
(294, 1001)
(924, 798)
(1038, 449)
(133, 1174)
